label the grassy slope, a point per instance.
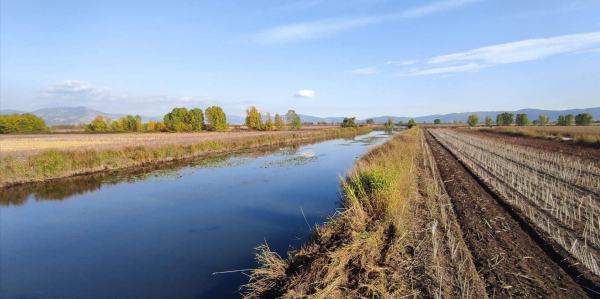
(55, 164)
(360, 252)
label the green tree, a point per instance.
(411, 123)
(348, 122)
(21, 123)
(473, 120)
(542, 120)
(269, 123)
(279, 123)
(161, 127)
(488, 121)
(437, 121)
(178, 120)
(522, 120)
(390, 123)
(584, 119)
(97, 125)
(569, 120)
(504, 119)
(370, 121)
(196, 119)
(216, 119)
(293, 120)
(561, 120)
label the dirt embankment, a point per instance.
(509, 261)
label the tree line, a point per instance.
(254, 120)
(521, 119)
(21, 123)
(178, 120)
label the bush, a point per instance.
(411, 123)
(348, 122)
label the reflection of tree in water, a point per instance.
(51, 190)
(61, 189)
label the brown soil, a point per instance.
(509, 261)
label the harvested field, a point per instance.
(508, 260)
(580, 134)
(555, 194)
(23, 145)
(568, 148)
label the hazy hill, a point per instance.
(531, 113)
(83, 115)
(71, 115)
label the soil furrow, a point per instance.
(509, 261)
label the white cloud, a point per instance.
(520, 51)
(364, 71)
(304, 93)
(319, 29)
(526, 50)
(470, 67)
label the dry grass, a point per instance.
(23, 145)
(580, 134)
(53, 163)
(359, 252)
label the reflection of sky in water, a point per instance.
(159, 232)
(307, 153)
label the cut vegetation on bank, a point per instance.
(49, 164)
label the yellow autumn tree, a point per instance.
(279, 124)
(269, 123)
(151, 126)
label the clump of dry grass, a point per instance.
(358, 252)
(54, 163)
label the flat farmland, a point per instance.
(24, 145)
(584, 134)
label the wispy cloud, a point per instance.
(407, 62)
(304, 93)
(323, 28)
(470, 67)
(526, 50)
(520, 51)
(364, 71)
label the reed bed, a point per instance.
(556, 192)
(50, 164)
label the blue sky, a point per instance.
(323, 58)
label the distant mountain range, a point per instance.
(83, 115)
(71, 115)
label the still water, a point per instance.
(161, 231)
